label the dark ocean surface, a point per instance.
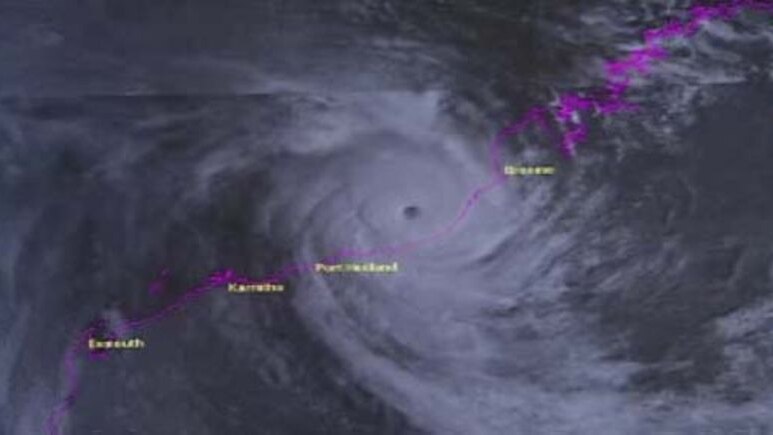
(630, 293)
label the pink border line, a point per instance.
(565, 113)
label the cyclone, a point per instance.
(434, 335)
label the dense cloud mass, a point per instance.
(159, 141)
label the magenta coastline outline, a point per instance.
(565, 113)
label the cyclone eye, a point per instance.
(411, 212)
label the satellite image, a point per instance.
(386, 217)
